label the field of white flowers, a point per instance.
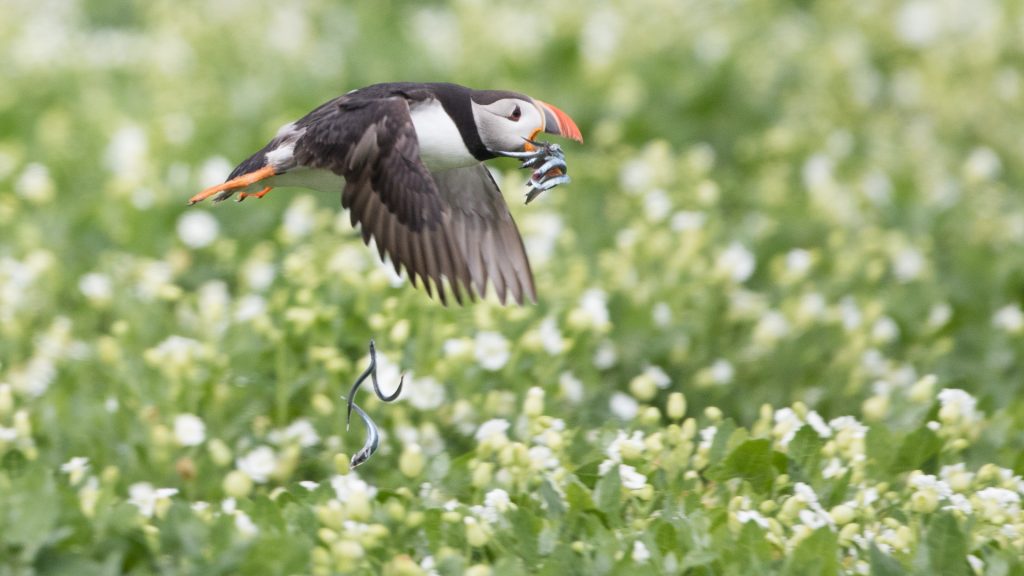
(779, 327)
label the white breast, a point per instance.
(441, 145)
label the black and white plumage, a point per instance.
(408, 160)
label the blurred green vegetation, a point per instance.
(809, 204)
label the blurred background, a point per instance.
(776, 202)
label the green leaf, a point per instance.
(29, 510)
(608, 493)
(578, 497)
(432, 528)
(944, 549)
(880, 444)
(526, 528)
(805, 451)
(916, 449)
(817, 554)
(753, 553)
(882, 565)
(666, 537)
(720, 444)
(555, 505)
(752, 461)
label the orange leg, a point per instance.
(242, 181)
(260, 194)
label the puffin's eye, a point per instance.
(516, 114)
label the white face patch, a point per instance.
(441, 145)
(506, 124)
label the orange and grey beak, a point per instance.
(558, 122)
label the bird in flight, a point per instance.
(408, 160)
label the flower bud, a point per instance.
(411, 462)
(237, 484)
(676, 408)
(476, 535)
(534, 404)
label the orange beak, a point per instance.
(558, 122)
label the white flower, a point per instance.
(658, 376)
(495, 428)
(154, 277)
(657, 205)
(571, 387)
(299, 218)
(787, 424)
(736, 263)
(707, 436)
(126, 153)
(798, 262)
(457, 347)
(817, 172)
(636, 175)
(605, 356)
(983, 164)
(908, 264)
(754, 516)
(770, 328)
(197, 229)
(957, 405)
(624, 406)
(629, 446)
(1001, 497)
(540, 234)
(300, 432)
(258, 464)
(640, 552)
(815, 421)
(309, 485)
(885, 330)
(351, 486)
(428, 394)
(245, 526)
(175, 352)
(918, 22)
(491, 350)
(189, 430)
(259, 274)
(661, 314)
(249, 307)
(1009, 318)
(144, 497)
(685, 221)
(496, 503)
(600, 36)
(550, 337)
(75, 468)
(721, 372)
(959, 503)
(593, 309)
(811, 307)
(939, 315)
(631, 479)
(542, 458)
(35, 184)
(96, 287)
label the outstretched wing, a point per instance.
(485, 233)
(453, 224)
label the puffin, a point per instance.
(408, 159)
